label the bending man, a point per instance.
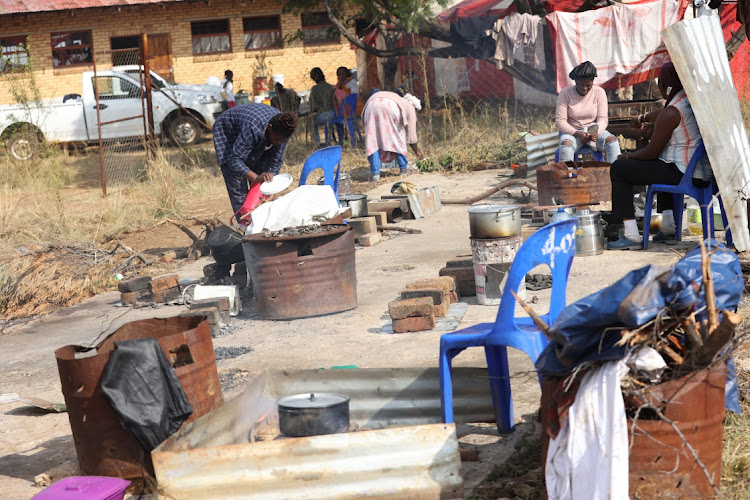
(250, 141)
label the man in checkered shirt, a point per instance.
(250, 141)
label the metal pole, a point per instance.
(99, 127)
(149, 102)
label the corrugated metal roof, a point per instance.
(28, 6)
(540, 149)
(700, 57)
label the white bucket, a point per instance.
(258, 98)
(492, 260)
(278, 79)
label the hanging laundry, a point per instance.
(589, 456)
(623, 41)
(501, 49)
(523, 31)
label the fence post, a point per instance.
(99, 127)
(151, 138)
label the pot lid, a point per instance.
(313, 400)
(352, 197)
(493, 208)
(279, 183)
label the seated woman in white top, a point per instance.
(581, 116)
(676, 137)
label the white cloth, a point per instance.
(304, 206)
(620, 40)
(522, 31)
(501, 44)
(589, 457)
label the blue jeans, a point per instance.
(321, 119)
(611, 149)
(375, 164)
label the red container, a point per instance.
(252, 200)
(85, 488)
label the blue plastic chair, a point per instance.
(349, 102)
(598, 155)
(702, 195)
(553, 245)
(329, 160)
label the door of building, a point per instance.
(160, 55)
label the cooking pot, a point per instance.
(226, 245)
(589, 233)
(549, 212)
(494, 221)
(357, 202)
(305, 415)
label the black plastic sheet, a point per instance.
(143, 390)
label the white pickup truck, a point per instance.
(181, 116)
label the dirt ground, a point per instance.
(33, 442)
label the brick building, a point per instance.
(189, 40)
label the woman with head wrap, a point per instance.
(390, 124)
(581, 116)
(675, 138)
(250, 141)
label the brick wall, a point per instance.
(294, 61)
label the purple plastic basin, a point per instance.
(85, 487)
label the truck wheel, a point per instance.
(23, 145)
(185, 130)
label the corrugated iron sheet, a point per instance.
(404, 462)
(540, 149)
(28, 6)
(699, 55)
(213, 458)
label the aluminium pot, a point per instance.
(494, 221)
(315, 414)
(590, 238)
(226, 245)
(357, 202)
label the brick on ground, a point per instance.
(166, 282)
(460, 262)
(134, 284)
(445, 283)
(132, 298)
(209, 270)
(381, 218)
(408, 308)
(168, 295)
(439, 297)
(417, 324)
(212, 314)
(465, 282)
(362, 225)
(220, 304)
(369, 240)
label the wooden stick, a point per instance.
(691, 330)
(184, 229)
(398, 228)
(672, 354)
(487, 194)
(538, 321)
(718, 339)
(708, 287)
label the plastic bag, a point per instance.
(587, 330)
(143, 390)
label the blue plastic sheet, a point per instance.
(588, 330)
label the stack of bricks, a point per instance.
(144, 290)
(215, 309)
(421, 302)
(462, 270)
(366, 228)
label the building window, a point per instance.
(318, 29)
(15, 53)
(210, 37)
(125, 50)
(262, 32)
(72, 49)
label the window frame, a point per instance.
(9, 68)
(328, 25)
(276, 44)
(69, 48)
(228, 34)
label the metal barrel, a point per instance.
(591, 184)
(103, 445)
(308, 275)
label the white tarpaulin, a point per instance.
(304, 206)
(700, 57)
(623, 41)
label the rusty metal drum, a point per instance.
(303, 272)
(103, 446)
(571, 183)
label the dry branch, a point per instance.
(538, 321)
(487, 194)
